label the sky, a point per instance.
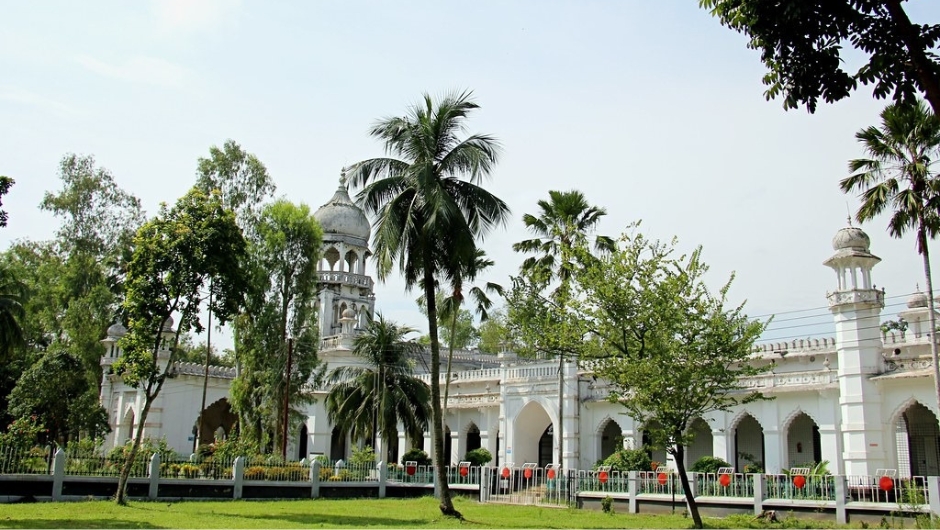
(653, 110)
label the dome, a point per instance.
(117, 330)
(917, 300)
(342, 217)
(851, 238)
(349, 313)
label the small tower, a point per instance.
(856, 307)
(917, 316)
(112, 351)
(343, 283)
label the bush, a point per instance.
(479, 457)
(362, 457)
(627, 460)
(708, 464)
(22, 434)
(416, 455)
(607, 505)
(254, 473)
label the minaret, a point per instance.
(346, 298)
(856, 307)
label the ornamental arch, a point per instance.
(532, 430)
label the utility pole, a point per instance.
(205, 381)
(290, 354)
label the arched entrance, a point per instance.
(803, 443)
(473, 438)
(337, 445)
(127, 427)
(528, 436)
(217, 416)
(748, 444)
(610, 439)
(546, 446)
(919, 453)
(656, 454)
(702, 442)
(302, 443)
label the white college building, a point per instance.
(861, 401)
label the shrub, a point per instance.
(362, 457)
(22, 434)
(627, 460)
(189, 471)
(416, 455)
(708, 464)
(607, 505)
(479, 457)
(254, 473)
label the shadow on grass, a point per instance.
(74, 523)
(355, 521)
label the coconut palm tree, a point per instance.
(898, 175)
(12, 294)
(377, 397)
(430, 210)
(562, 225)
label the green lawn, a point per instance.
(346, 513)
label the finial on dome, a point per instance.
(342, 176)
(848, 213)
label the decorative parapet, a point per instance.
(898, 366)
(796, 346)
(473, 400)
(221, 372)
(346, 278)
(488, 374)
(857, 296)
(788, 380)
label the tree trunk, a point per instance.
(450, 359)
(931, 316)
(437, 425)
(926, 75)
(684, 479)
(561, 410)
(205, 375)
(120, 496)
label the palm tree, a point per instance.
(898, 174)
(563, 224)
(429, 211)
(375, 398)
(12, 295)
(452, 304)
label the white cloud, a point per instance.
(193, 15)
(26, 97)
(139, 69)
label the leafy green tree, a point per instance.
(61, 401)
(671, 350)
(805, 44)
(494, 333)
(5, 184)
(899, 176)
(562, 226)
(428, 218)
(175, 255)
(383, 394)
(245, 185)
(12, 297)
(281, 304)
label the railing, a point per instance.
(724, 485)
(800, 487)
(208, 469)
(341, 471)
(35, 461)
(94, 465)
(347, 278)
(887, 489)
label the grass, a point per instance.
(345, 513)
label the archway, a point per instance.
(748, 444)
(529, 428)
(302, 442)
(922, 445)
(702, 442)
(337, 445)
(803, 443)
(657, 454)
(610, 439)
(332, 256)
(546, 446)
(448, 447)
(217, 416)
(127, 427)
(473, 438)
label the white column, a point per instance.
(722, 446)
(773, 450)
(831, 447)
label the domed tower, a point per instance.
(346, 297)
(917, 315)
(856, 307)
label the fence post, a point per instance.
(933, 495)
(315, 479)
(238, 475)
(839, 490)
(759, 492)
(632, 488)
(58, 474)
(383, 476)
(154, 475)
